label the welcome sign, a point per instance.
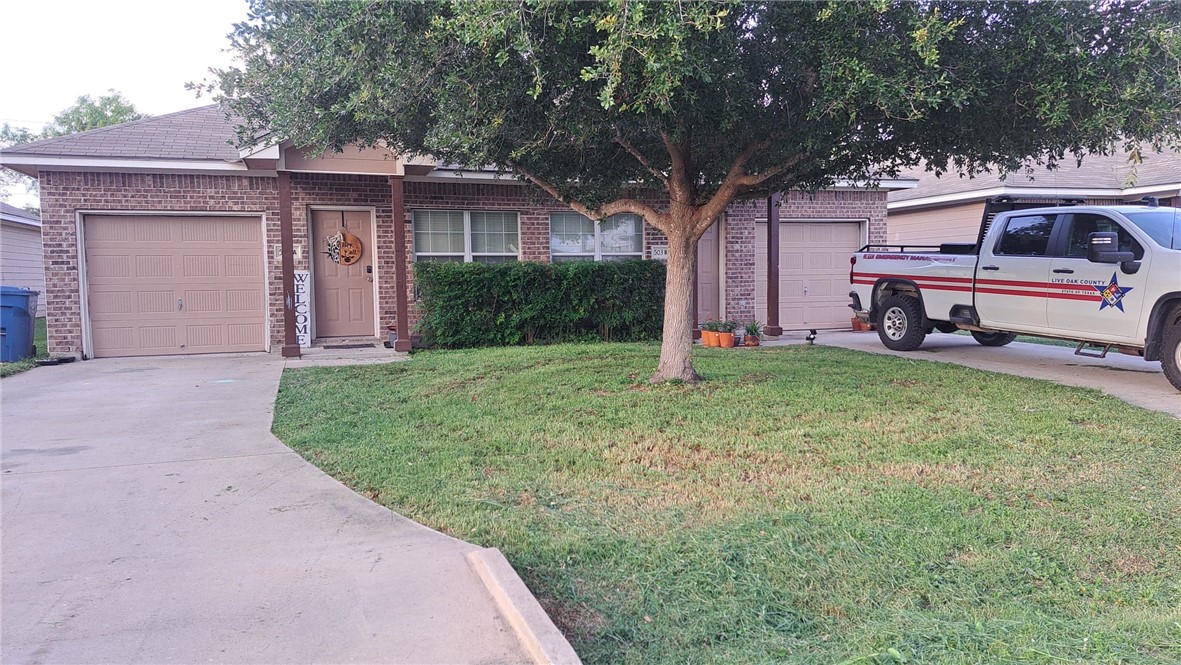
(303, 308)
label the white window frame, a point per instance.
(468, 255)
(597, 255)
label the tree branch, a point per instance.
(634, 152)
(738, 180)
(678, 184)
(650, 214)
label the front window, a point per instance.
(462, 236)
(575, 237)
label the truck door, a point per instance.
(1095, 300)
(1013, 274)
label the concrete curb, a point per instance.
(537, 633)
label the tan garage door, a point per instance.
(813, 273)
(160, 285)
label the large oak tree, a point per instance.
(708, 102)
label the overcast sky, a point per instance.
(146, 49)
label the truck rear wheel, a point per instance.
(900, 323)
(1171, 354)
(993, 339)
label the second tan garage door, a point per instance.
(171, 285)
(813, 273)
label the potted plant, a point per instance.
(754, 330)
(726, 333)
(709, 333)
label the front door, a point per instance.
(343, 291)
(1096, 300)
(709, 283)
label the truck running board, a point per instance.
(1092, 350)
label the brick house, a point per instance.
(949, 208)
(161, 238)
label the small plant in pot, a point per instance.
(754, 330)
(726, 333)
(709, 332)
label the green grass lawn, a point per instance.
(40, 341)
(804, 504)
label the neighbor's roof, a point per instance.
(11, 213)
(1111, 174)
(197, 134)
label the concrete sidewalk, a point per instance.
(1128, 378)
(149, 516)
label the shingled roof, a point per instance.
(11, 213)
(1107, 172)
(196, 134)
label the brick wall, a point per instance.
(839, 204)
(63, 194)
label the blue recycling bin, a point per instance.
(18, 312)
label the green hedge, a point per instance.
(476, 304)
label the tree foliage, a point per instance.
(709, 101)
(84, 114)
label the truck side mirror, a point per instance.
(1103, 247)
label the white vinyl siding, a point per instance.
(575, 237)
(462, 236)
(22, 261)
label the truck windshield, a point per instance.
(1162, 224)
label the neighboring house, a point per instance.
(22, 261)
(163, 238)
(949, 208)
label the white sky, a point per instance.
(57, 50)
(146, 49)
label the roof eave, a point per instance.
(32, 165)
(1166, 190)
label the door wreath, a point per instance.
(344, 248)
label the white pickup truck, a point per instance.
(1107, 277)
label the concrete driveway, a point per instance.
(150, 516)
(1128, 378)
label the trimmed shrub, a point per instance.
(505, 304)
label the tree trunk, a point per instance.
(676, 350)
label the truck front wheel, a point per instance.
(1171, 354)
(993, 339)
(900, 323)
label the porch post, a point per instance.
(772, 328)
(287, 247)
(401, 265)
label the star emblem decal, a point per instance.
(1113, 294)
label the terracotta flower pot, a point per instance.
(709, 337)
(726, 340)
(751, 341)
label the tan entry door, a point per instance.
(343, 294)
(813, 273)
(163, 285)
(709, 301)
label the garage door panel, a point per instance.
(243, 266)
(813, 272)
(175, 285)
(201, 266)
(109, 267)
(244, 300)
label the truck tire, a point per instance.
(900, 323)
(1170, 357)
(993, 339)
